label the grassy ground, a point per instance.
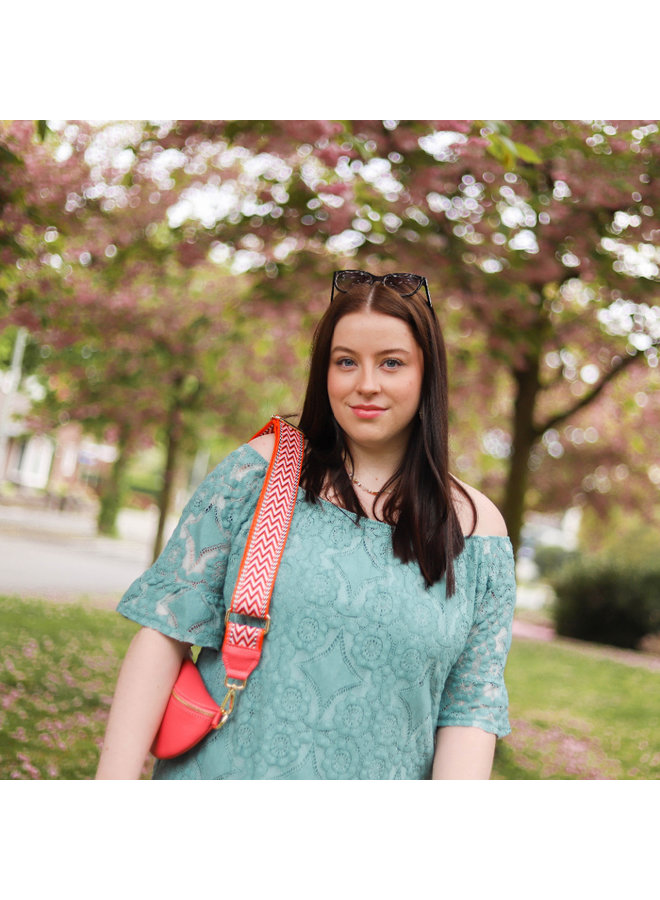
(57, 675)
(574, 715)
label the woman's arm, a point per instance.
(145, 680)
(463, 752)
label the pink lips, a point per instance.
(367, 412)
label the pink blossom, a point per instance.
(338, 188)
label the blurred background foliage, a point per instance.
(168, 275)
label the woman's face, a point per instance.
(375, 380)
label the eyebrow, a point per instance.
(380, 352)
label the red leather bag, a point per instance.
(191, 712)
(190, 715)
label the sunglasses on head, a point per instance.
(404, 283)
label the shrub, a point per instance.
(607, 601)
(549, 559)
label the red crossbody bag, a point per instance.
(191, 712)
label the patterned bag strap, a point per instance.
(241, 648)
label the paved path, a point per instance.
(58, 556)
(531, 630)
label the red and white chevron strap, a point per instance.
(242, 645)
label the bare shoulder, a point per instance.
(490, 521)
(264, 445)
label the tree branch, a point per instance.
(588, 398)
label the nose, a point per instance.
(368, 381)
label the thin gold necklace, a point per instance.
(373, 493)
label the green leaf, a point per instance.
(42, 129)
(509, 146)
(7, 156)
(503, 149)
(498, 127)
(508, 153)
(527, 154)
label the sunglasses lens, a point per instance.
(345, 280)
(405, 284)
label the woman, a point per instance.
(391, 614)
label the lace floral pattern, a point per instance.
(361, 664)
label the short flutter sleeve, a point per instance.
(181, 595)
(474, 693)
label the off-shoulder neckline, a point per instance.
(365, 519)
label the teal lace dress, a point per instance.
(361, 664)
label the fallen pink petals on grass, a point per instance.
(28, 767)
(30, 649)
(556, 753)
(56, 682)
(9, 699)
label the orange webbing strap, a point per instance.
(241, 648)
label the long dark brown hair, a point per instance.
(426, 529)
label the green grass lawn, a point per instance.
(577, 716)
(574, 716)
(58, 670)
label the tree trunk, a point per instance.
(524, 438)
(165, 499)
(112, 492)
